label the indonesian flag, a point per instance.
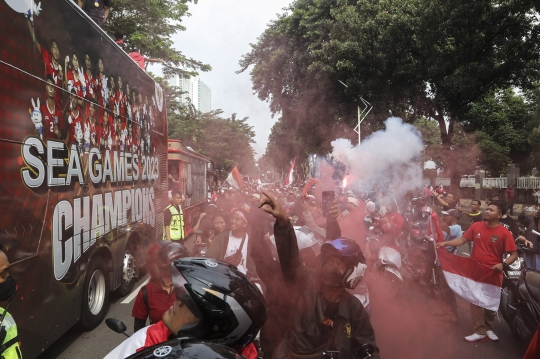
(289, 178)
(235, 179)
(476, 283)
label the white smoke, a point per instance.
(386, 158)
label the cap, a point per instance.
(350, 192)
(452, 212)
(495, 194)
(256, 195)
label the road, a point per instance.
(404, 327)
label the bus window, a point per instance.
(173, 175)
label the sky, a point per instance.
(218, 33)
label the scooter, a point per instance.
(520, 299)
(119, 327)
(384, 258)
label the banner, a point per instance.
(235, 179)
(289, 178)
(476, 283)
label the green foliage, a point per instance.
(412, 58)
(502, 122)
(148, 26)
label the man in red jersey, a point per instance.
(491, 241)
(51, 60)
(51, 113)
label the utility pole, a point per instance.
(362, 114)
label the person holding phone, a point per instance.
(325, 318)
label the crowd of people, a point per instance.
(306, 304)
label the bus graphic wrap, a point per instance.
(83, 152)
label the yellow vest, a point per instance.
(12, 350)
(176, 227)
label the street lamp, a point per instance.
(362, 114)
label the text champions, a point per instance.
(76, 226)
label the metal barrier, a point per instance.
(528, 182)
(467, 182)
(497, 182)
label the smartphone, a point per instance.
(328, 198)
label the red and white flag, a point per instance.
(289, 180)
(476, 283)
(235, 179)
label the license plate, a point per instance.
(514, 272)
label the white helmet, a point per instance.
(304, 236)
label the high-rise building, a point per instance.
(195, 90)
(205, 97)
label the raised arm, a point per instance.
(291, 264)
(33, 35)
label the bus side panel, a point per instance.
(40, 208)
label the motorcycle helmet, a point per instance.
(162, 254)
(232, 308)
(180, 349)
(352, 255)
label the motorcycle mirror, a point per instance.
(116, 325)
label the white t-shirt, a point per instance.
(232, 247)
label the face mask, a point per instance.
(7, 289)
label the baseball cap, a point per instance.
(452, 212)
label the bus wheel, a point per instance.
(95, 300)
(129, 269)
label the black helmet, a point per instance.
(179, 349)
(162, 254)
(232, 308)
(352, 255)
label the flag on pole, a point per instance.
(476, 283)
(289, 179)
(235, 179)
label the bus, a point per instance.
(83, 156)
(192, 174)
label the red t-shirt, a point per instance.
(74, 118)
(50, 119)
(56, 74)
(510, 195)
(138, 58)
(75, 84)
(489, 243)
(159, 301)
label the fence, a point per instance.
(497, 182)
(528, 182)
(467, 182)
(500, 182)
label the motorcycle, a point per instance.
(384, 258)
(520, 298)
(419, 260)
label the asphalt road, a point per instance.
(404, 327)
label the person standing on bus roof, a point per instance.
(8, 330)
(98, 10)
(173, 224)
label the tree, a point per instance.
(148, 25)
(502, 122)
(411, 58)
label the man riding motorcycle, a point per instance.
(326, 319)
(215, 302)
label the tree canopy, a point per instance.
(409, 58)
(148, 26)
